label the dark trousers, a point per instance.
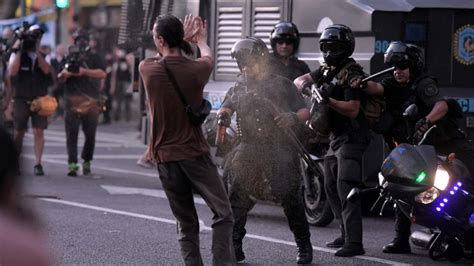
(123, 101)
(292, 206)
(179, 180)
(342, 172)
(264, 172)
(72, 123)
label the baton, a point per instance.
(378, 74)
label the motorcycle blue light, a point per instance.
(451, 192)
(445, 200)
(438, 209)
(459, 184)
(455, 188)
(441, 204)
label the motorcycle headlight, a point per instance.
(427, 196)
(441, 180)
(381, 178)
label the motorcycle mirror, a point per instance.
(411, 111)
(353, 195)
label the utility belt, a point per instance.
(28, 100)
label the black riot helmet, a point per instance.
(285, 31)
(336, 43)
(405, 55)
(249, 47)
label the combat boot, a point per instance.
(350, 250)
(305, 252)
(397, 246)
(338, 242)
(239, 253)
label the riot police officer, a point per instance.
(409, 85)
(265, 164)
(348, 129)
(285, 40)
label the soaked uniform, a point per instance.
(342, 165)
(265, 164)
(294, 69)
(424, 93)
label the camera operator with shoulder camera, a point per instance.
(29, 72)
(82, 74)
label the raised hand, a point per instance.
(201, 36)
(190, 29)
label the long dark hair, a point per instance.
(171, 29)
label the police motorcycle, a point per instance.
(431, 190)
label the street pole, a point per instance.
(58, 26)
(23, 8)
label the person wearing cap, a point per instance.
(30, 75)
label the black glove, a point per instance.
(356, 83)
(324, 93)
(223, 119)
(420, 129)
(286, 119)
(306, 88)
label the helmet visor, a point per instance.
(332, 48)
(394, 59)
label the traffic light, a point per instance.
(62, 3)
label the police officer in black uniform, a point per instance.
(285, 40)
(409, 85)
(349, 133)
(265, 164)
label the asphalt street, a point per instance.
(119, 214)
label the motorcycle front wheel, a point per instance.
(316, 205)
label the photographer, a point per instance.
(30, 75)
(82, 74)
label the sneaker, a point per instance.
(38, 170)
(145, 163)
(73, 167)
(86, 167)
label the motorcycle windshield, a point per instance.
(411, 165)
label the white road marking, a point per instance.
(110, 169)
(100, 136)
(158, 193)
(97, 156)
(112, 141)
(58, 139)
(81, 144)
(204, 227)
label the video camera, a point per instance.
(28, 34)
(74, 59)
